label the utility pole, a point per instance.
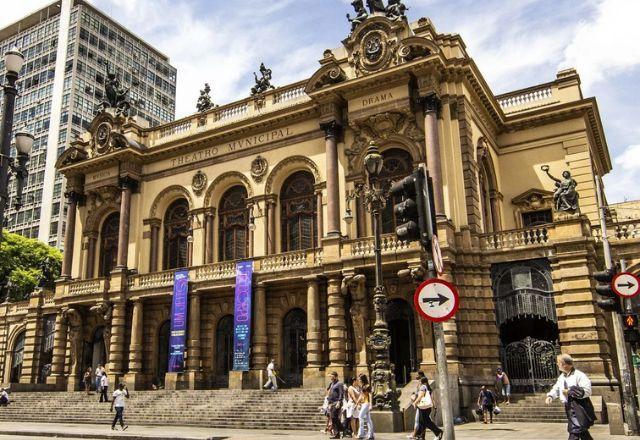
(628, 400)
(634, 345)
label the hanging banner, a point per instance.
(242, 316)
(178, 333)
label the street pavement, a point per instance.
(497, 431)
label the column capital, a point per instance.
(128, 182)
(430, 103)
(315, 278)
(74, 196)
(153, 222)
(331, 129)
(91, 235)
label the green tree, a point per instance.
(26, 263)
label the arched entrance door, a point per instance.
(163, 352)
(17, 356)
(294, 337)
(527, 320)
(224, 350)
(46, 356)
(403, 339)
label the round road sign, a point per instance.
(438, 265)
(436, 300)
(625, 284)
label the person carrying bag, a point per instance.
(424, 404)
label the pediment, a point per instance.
(534, 199)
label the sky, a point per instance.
(516, 44)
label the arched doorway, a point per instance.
(17, 356)
(294, 337)
(403, 339)
(298, 212)
(224, 350)
(46, 356)
(527, 321)
(98, 349)
(163, 352)
(176, 233)
(109, 245)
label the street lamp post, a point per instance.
(13, 60)
(385, 395)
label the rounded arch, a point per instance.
(15, 354)
(288, 166)
(98, 216)
(222, 183)
(166, 197)
(392, 142)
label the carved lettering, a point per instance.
(377, 99)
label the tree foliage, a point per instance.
(25, 264)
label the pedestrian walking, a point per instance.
(104, 387)
(86, 379)
(351, 411)
(272, 376)
(573, 388)
(118, 402)
(424, 405)
(364, 417)
(99, 373)
(503, 386)
(486, 402)
(4, 397)
(335, 398)
(414, 395)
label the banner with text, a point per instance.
(178, 333)
(242, 316)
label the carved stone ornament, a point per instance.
(373, 45)
(529, 201)
(70, 156)
(199, 183)
(259, 168)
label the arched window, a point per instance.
(109, 244)
(234, 223)
(485, 200)
(17, 358)
(397, 165)
(176, 232)
(224, 345)
(298, 212)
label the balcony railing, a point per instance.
(151, 280)
(621, 231)
(216, 271)
(389, 243)
(527, 99)
(516, 238)
(86, 287)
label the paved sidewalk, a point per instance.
(497, 431)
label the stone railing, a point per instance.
(287, 261)
(19, 307)
(86, 287)
(516, 238)
(527, 99)
(151, 280)
(389, 243)
(624, 230)
(221, 116)
(216, 271)
(48, 299)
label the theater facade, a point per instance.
(271, 178)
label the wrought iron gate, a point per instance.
(531, 364)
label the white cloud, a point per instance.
(13, 11)
(623, 184)
(607, 44)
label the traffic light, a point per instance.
(611, 301)
(411, 211)
(630, 324)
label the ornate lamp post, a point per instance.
(24, 141)
(385, 396)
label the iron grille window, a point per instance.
(536, 218)
(234, 224)
(298, 212)
(176, 233)
(109, 244)
(397, 165)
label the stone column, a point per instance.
(70, 234)
(127, 186)
(92, 239)
(260, 354)
(194, 375)
(251, 236)
(319, 217)
(495, 210)
(57, 376)
(209, 253)
(431, 105)
(361, 217)
(333, 189)
(134, 376)
(154, 243)
(313, 377)
(337, 327)
(116, 346)
(271, 220)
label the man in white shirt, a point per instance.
(573, 388)
(271, 374)
(104, 387)
(118, 402)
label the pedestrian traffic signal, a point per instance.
(630, 324)
(411, 210)
(610, 301)
(630, 321)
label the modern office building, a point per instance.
(67, 46)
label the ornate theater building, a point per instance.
(271, 179)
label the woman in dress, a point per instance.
(424, 404)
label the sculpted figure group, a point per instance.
(395, 10)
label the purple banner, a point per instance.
(178, 333)
(242, 316)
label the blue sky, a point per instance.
(515, 43)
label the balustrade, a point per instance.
(388, 243)
(216, 271)
(151, 280)
(86, 287)
(515, 238)
(525, 99)
(625, 230)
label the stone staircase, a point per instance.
(256, 409)
(531, 408)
